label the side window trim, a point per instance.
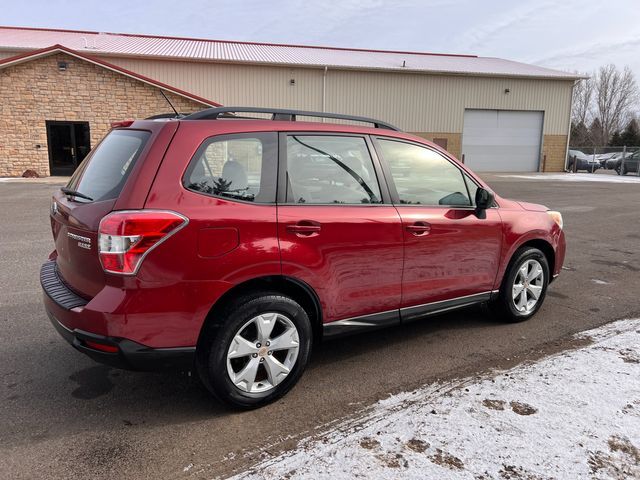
(269, 167)
(395, 197)
(281, 197)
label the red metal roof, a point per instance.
(122, 44)
(32, 55)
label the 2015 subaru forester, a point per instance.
(232, 244)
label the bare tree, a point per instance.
(615, 95)
(582, 103)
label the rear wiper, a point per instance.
(73, 193)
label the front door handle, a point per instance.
(419, 229)
(304, 228)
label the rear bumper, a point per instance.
(63, 307)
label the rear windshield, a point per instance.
(104, 172)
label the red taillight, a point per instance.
(126, 237)
(101, 346)
(122, 123)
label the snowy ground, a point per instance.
(569, 416)
(577, 177)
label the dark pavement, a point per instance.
(64, 416)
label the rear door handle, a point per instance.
(419, 229)
(304, 228)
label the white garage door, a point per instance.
(502, 140)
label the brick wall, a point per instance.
(555, 148)
(36, 91)
(454, 141)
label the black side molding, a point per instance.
(410, 314)
(403, 315)
(354, 325)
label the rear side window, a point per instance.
(104, 172)
(239, 167)
(423, 176)
(327, 169)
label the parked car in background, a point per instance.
(604, 157)
(231, 245)
(582, 161)
(629, 164)
(613, 162)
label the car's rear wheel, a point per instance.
(524, 286)
(258, 353)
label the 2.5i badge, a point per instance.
(83, 242)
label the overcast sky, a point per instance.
(575, 35)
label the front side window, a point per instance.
(472, 187)
(423, 176)
(235, 167)
(325, 169)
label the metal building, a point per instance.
(498, 114)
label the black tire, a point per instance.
(618, 170)
(211, 355)
(504, 307)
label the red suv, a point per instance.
(232, 244)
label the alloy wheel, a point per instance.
(263, 352)
(527, 286)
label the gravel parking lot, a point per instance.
(64, 416)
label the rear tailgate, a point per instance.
(117, 174)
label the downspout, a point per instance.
(566, 153)
(324, 90)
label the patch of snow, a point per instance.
(578, 177)
(572, 415)
(599, 282)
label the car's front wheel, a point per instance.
(524, 286)
(258, 353)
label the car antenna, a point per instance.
(170, 104)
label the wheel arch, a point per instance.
(540, 243)
(545, 247)
(298, 290)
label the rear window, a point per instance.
(104, 172)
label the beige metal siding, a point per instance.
(7, 54)
(414, 102)
(235, 84)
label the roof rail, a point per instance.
(281, 114)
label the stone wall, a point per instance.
(555, 148)
(36, 91)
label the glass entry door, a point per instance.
(69, 143)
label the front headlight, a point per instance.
(557, 217)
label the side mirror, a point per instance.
(484, 200)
